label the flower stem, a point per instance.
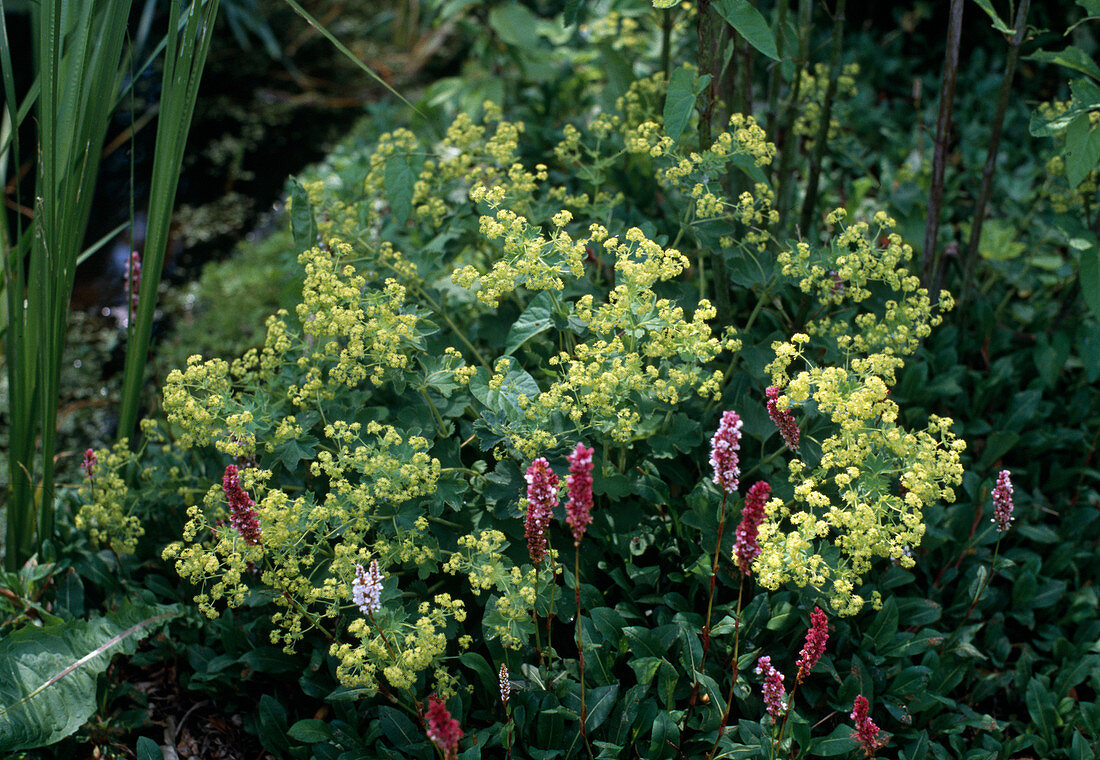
(580, 641)
(736, 668)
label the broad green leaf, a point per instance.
(48, 674)
(999, 25)
(601, 701)
(273, 726)
(1092, 7)
(1085, 92)
(515, 24)
(400, 180)
(1090, 278)
(1082, 149)
(750, 24)
(999, 241)
(839, 742)
(1072, 58)
(534, 320)
(1040, 705)
(680, 101)
(147, 749)
(310, 731)
(302, 223)
(665, 739)
(665, 3)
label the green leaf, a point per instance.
(1079, 748)
(310, 731)
(270, 660)
(999, 25)
(302, 224)
(839, 742)
(750, 24)
(1072, 58)
(399, 182)
(1040, 705)
(680, 101)
(48, 674)
(273, 726)
(884, 627)
(1082, 149)
(147, 749)
(600, 700)
(534, 320)
(1090, 278)
(665, 3)
(516, 25)
(999, 241)
(665, 738)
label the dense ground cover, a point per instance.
(610, 405)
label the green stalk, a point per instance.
(77, 53)
(822, 136)
(185, 59)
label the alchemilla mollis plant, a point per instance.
(386, 472)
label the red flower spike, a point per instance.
(783, 419)
(866, 733)
(815, 643)
(745, 547)
(442, 728)
(542, 497)
(578, 510)
(242, 513)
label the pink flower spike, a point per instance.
(783, 419)
(242, 515)
(724, 447)
(542, 497)
(866, 733)
(578, 510)
(1002, 502)
(815, 643)
(775, 697)
(442, 728)
(89, 463)
(745, 547)
(133, 281)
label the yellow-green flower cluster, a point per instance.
(857, 264)
(866, 493)
(812, 99)
(104, 514)
(527, 258)
(641, 346)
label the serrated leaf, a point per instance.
(48, 674)
(1082, 149)
(750, 24)
(679, 102)
(534, 320)
(399, 182)
(1072, 58)
(999, 25)
(303, 227)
